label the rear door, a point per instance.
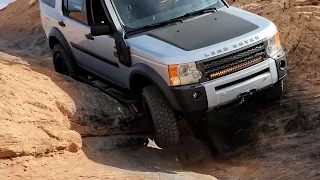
(74, 27)
(49, 16)
(95, 54)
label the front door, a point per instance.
(101, 49)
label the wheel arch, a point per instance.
(55, 36)
(143, 75)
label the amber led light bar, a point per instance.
(235, 68)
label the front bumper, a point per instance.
(224, 90)
(228, 88)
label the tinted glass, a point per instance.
(75, 10)
(137, 13)
(51, 3)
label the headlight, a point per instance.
(274, 45)
(182, 74)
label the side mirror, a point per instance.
(100, 29)
(230, 2)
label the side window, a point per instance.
(51, 3)
(75, 10)
(96, 13)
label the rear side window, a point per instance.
(51, 3)
(75, 10)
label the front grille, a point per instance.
(235, 62)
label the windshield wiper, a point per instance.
(155, 25)
(163, 23)
(201, 11)
(170, 21)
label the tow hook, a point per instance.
(246, 95)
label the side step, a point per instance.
(108, 89)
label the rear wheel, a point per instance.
(63, 62)
(163, 118)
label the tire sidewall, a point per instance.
(72, 66)
(57, 64)
(163, 118)
(147, 121)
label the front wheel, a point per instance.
(162, 115)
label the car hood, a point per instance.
(202, 37)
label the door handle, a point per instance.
(89, 36)
(62, 24)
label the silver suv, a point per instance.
(175, 57)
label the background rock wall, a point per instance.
(298, 22)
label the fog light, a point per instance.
(282, 65)
(196, 94)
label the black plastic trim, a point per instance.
(84, 50)
(155, 78)
(110, 21)
(56, 33)
(188, 104)
(279, 57)
(123, 50)
(179, 98)
(226, 3)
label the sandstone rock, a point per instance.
(20, 28)
(90, 112)
(45, 103)
(39, 107)
(298, 22)
(23, 139)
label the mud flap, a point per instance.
(123, 50)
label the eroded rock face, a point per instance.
(31, 122)
(298, 22)
(39, 107)
(21, 139)
(92, 112)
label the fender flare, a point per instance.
(156, 79)
(55, 32)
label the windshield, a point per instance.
(139, 13)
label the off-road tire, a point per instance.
(70, 63)
(163, 117)
(275, 92)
